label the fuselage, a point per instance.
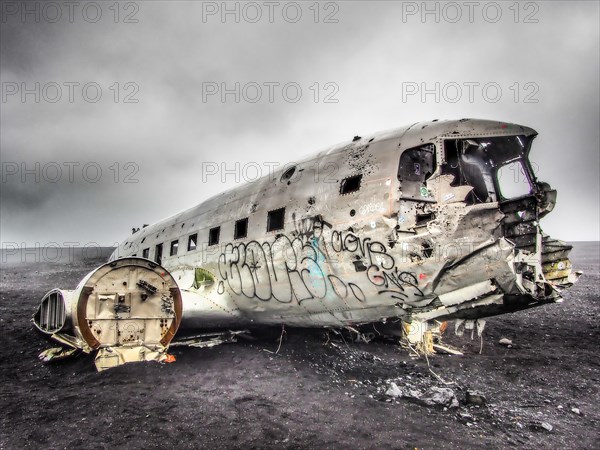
(434, 220)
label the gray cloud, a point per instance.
(368, 54)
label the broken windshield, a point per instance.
(477, 162)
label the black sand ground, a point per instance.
(310, 395)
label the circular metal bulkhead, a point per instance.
(127, 302)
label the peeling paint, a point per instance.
(411, 229)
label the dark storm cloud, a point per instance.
(18, 198)
(368, 54)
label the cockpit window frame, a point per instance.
(489, 161)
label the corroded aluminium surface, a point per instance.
(388, 249)
(414, 223)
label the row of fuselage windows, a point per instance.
(275, 222)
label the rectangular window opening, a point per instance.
(275, 219)
(158, 254)
(146, 253)
(192, 242)
(513, 181)
(350, 184)
(174, 248)
(241, 229)
(213, 235)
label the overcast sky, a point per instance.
(369, 57)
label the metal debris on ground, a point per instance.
(475, 398)
(209, 339)
(432, 396)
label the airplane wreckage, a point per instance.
(400, 230)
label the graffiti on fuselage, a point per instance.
(286, 270)
(381, 267)
(298, 267)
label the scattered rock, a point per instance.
(464, 417)
(393, 390)
(546, 426)
(412, 393)
(428, 396)
(440, 396)
(505, 341)
(576, 411)
(475, 398)
(539, 426)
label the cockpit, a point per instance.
(497, 168)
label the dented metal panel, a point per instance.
(414, 224)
